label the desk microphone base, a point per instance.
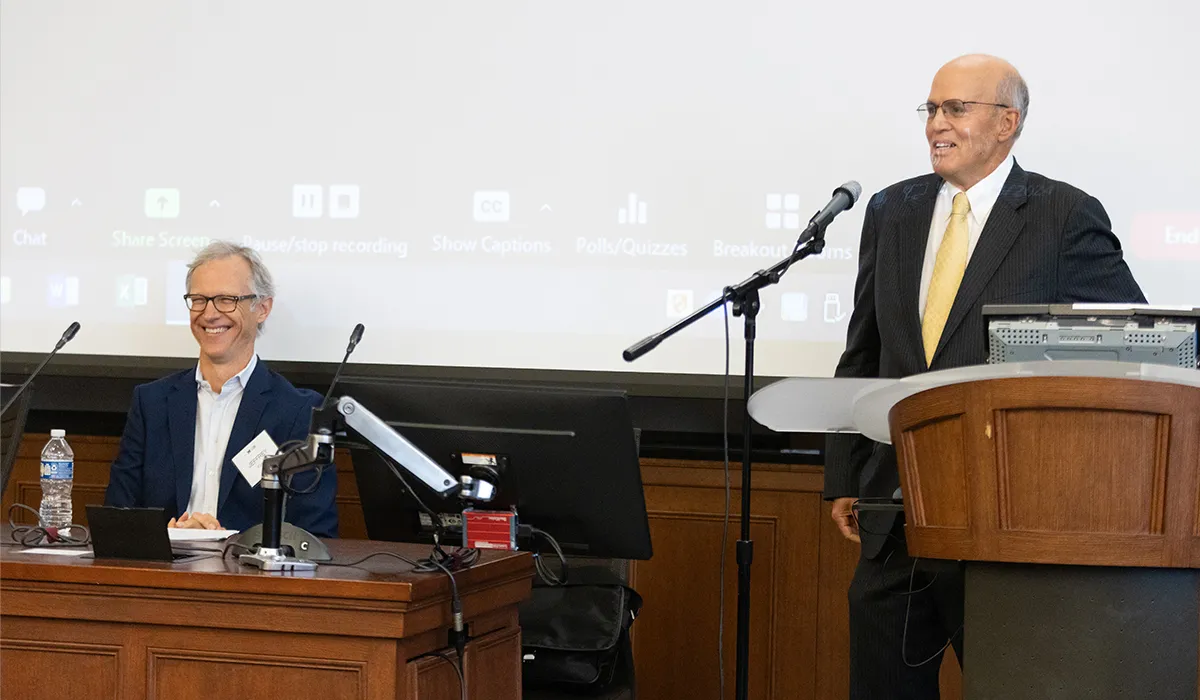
(275, 560)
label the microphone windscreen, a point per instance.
(853, 189)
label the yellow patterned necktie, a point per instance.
(948, 269)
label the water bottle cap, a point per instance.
(58, 432)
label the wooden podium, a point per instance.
(1075, 502)
(1072, 492)
(210, 629)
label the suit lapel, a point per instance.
(912, 229)
(181, 423)
(255, 398)
(1003, 226)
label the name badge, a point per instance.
(250, 458)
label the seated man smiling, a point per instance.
(184, 430)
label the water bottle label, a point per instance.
(58, 469)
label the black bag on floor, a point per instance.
(576, 634)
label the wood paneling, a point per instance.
(835, 570)
(493, 663)
(210, 629)
(1106, 463)
(204, 675)
(939, 442)
(434, 678)
(95, 669)
(1067, 470)
(799, 580)
(800, 575)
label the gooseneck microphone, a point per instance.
(66, 338)
(355, 336)
(844, 198)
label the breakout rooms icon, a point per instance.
(783, 210)
(633, 213)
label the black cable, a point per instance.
(439, 527)
(458, 635)
(858, 523)
(544, 572)
(907, 610)
(462, 684)
(42, 536)
(448, 562)
(725, 520)
(230, 544)
(287, 482)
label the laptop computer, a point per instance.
(134, 533)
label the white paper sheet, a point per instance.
(179, 534)
(54, 550)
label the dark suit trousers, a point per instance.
(897, 636)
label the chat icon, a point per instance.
(31, 199)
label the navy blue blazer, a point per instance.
(155, 465)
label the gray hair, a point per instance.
(261, 284)
(1013, 91)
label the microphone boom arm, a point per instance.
(738, 294)
(317, 451)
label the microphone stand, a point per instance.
(67, 336)
(745, 298)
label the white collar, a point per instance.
(242, 378)
(984, 194)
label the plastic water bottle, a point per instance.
(58, 471)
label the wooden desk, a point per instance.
(211, 629)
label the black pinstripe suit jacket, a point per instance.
(1044, 242)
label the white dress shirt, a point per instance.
(215, 414)
(982, 197)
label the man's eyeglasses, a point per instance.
(953, 109)
(222, 302)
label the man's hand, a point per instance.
(196, 521)
(843, 515)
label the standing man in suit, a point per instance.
(183, 430)
(935, 249)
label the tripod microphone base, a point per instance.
(275, 560)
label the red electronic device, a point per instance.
(490, 529)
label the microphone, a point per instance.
(66, 338)
(844, 198)
(355, 336)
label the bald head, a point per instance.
(995, 77)
(981, 106)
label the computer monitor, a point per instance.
(571, 466)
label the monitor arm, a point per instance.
(317, 451)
